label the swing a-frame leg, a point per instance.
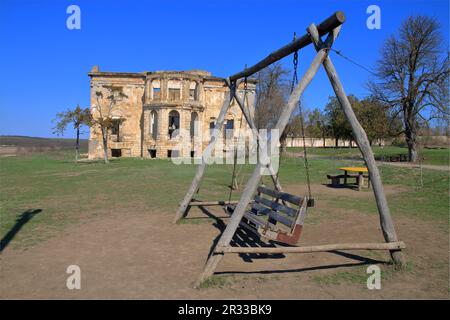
(387, 225)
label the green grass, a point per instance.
(432, 156)
(69, 193)
(215, 282)
(358, 275)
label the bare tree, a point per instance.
(78, 117)
(102, 116)
(271, 96)
(413, 76)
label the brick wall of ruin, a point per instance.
(135, 138)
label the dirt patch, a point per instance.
(138, 254)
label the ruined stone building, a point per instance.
(155, 105)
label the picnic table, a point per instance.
(360, 171)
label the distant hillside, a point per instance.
(24, 144)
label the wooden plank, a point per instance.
(321, 248)
(252, 218)
(260, 209)
(387, 225)
(276, 206)
(278, 217)
(332, 22)
(212, 203)
(281, 195)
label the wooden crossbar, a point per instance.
(326, 26)
(322, 248)
(212, 203)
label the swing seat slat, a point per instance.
(281, 195)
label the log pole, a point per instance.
(320, 248)
(387, 225)
(326, 26)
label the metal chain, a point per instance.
(233, 177)
(302, 126)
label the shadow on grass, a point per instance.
(348, 186)
(20, 222)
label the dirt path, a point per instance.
(137, 254)
(396, 164)
(415, 166)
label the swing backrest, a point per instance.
(274, 204)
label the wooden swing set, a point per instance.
(272, 214)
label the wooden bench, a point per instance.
(275, 215)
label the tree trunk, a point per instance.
(336, 142)
(411, 141)
(105, 144)
(77, 145)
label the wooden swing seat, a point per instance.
(275, 215)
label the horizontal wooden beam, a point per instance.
(335, 20)
(322, 248)
(212, 203)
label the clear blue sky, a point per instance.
(44, 65)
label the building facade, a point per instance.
(160, 109)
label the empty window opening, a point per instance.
(154, 124)
(229, 128)
(193, 91)
(173, 153)
(156, 90)
(212, 125)
(174, 91)
(156, 93)
(194, 124)
(174, 123)
(152, 153)
(115, 127)
(116, 153)
(174, 94)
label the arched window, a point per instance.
(194, 124)
(174, 123)
(154, 124)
